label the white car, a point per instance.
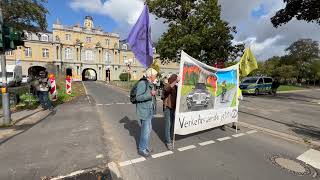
(25, 79)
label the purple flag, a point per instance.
(139, 39)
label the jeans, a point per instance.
(44, 99)
(146, 127)
(169, 115)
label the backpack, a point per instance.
(133, 91)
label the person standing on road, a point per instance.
(43, 86)
(274, 87)
(145, 97)
(169, 98)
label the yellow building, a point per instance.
(79, 49)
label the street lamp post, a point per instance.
(128, 64)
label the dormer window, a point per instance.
(124, 47)
(44, 37)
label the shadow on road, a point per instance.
(133, 127)
(301, 129)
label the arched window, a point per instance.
(107, 42)
(44, 37)
(68, 53)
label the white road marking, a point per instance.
(238, 135)
(99, 156)
(133, 161)
(125, 163)
(252, 131)
(120, 103)
(311, 157)
(224, 138)
(161, 154)
(128, 103)
(99, 104)
(206, 143)
(186, 148)
(107, 104)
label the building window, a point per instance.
(68, 37)
(68, 53)
(108, 58)
(88, 39)
(124, 58)
(44, 37)
(89, 55)
(9, 53)
(28, 52)
(124, 47)
(45, 53)
(107, 42)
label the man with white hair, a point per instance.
(146, 102)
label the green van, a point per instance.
(256, 85)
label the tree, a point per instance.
(195, 26)
(285, 72)
(25, 14)
(303, 52)
(308, 10)
(315, 70)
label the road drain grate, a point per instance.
(293, 166)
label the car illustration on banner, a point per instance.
(199, 96)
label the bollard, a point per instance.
(68, 84)
(53, 89)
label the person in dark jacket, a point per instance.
(146, 109)
(169, 108)
(274, 87)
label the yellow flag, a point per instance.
(248, 63)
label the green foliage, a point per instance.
(302, 62)
(125, 77)
(196, 28)
(307, 10)
(25, 14)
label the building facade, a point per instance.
(79, 49)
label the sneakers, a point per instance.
(169, 146)
(144, 153)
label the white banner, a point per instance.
(207, 96)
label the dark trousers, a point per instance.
(44, 99)
(169, 115)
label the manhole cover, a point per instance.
(293, 166)
(290, 164)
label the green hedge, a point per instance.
(125, 77)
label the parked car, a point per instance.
(256, 85)
(199, 96)
(14, 75)
(25, 79)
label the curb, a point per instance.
(110, 170)
(280, 134)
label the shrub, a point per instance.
(125, 77)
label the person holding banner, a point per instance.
(169, 106)
(145, 96)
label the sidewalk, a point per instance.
(63, 142)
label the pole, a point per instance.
(5, 96)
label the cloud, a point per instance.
(124, 12)
(266, 41)
(251, 17)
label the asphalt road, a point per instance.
(295, 113)
(245, 157)
(69, 140)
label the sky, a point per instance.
(251, 18)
